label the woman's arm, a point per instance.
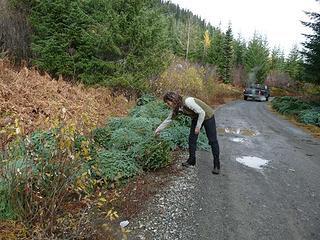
(165, 123)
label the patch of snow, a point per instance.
(253, 162)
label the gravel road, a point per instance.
(269, 186)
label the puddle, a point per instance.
(238, 140)
(238, 131)
(253, 162)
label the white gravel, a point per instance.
(170, 214)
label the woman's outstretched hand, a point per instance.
(196, 130)
(157, 132)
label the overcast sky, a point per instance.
(278, 20)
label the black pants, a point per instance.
(211, 131)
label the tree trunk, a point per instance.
(188, 38)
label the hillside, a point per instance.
(123, 151)
(29, 100)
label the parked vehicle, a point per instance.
(257, 92)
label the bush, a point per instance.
(6, 208)
(154, 109)
(194, 80)
(124, 138)
(289, 105)
(144, 119)
(151, 153)
(141, 125)
(130, 145)
(305, 112)
(116, 165)
(102, 136)
(145, 99)
(38, 173)
(310, 116)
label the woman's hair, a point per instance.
(175, 98)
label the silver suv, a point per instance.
(257, 92)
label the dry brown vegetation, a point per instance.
(32, 100)
(195, 80)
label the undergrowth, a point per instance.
(46, 171)
(305, 111)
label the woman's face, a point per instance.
(170, 104)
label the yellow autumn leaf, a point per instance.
(102, 199)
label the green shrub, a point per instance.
(141, 125)
(151, 152)
(6, 208)
(131, 140)
(143, 100)
(43, 144)
(124, 138)
(102, 136)
(310, 116)
(38, 172)
(306, 112)
(115, 165)
(155, 109)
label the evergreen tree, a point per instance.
(186, 32)
(277, 60)
(227, 55)
(239, 47)
(119, 43)
(70, 39)
(294, 64)
(312, 49)
(216, 51)
(256, 59)
(144, 42)
(188, 38)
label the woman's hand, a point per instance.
(196, 130)
(157, 132)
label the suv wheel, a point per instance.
(245, 97)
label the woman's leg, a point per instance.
(192, 143)
(211, 131)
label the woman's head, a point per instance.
(172, 99)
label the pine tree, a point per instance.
(294, 64)
(277, 60)
(186, 32)
(188, 37)
(119, 43)
(256, 59)
(227, 56)
(144, 42)
(311, 50)
(70, 39)
(239, 47)
(216, 51)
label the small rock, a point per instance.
(123, 224)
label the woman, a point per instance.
(201, 115)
